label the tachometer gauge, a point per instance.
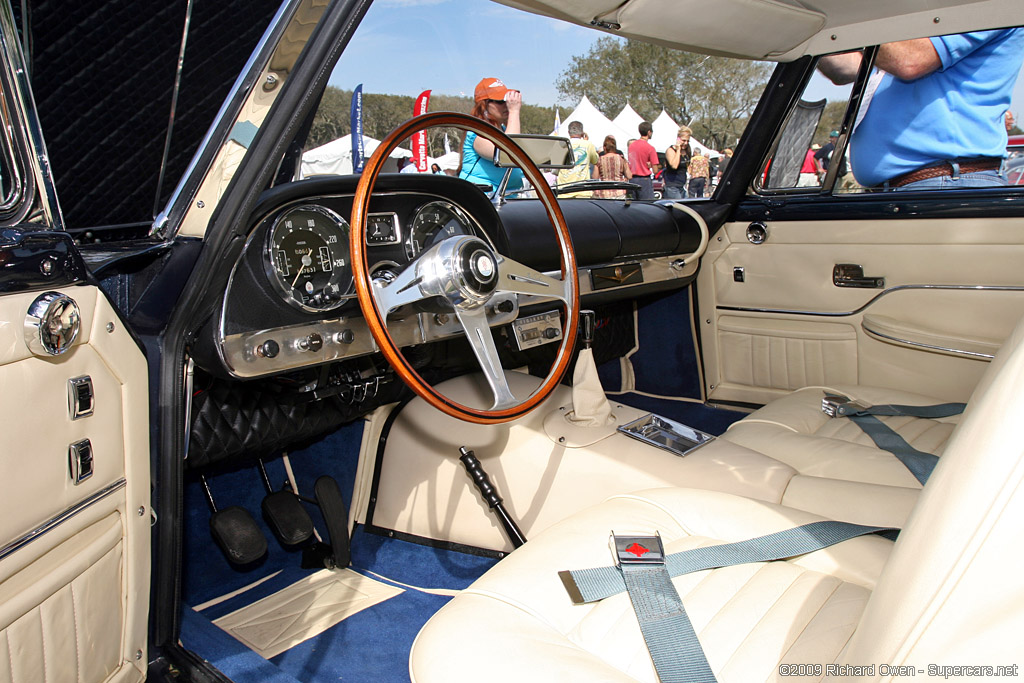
(434, 222)
(307, 258)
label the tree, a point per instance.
(383, 113)
(713, 95)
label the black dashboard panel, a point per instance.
(602, 231)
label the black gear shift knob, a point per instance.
(588, 322)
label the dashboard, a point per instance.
(290, 300)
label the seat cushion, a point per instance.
(794, 430)
(517, 623)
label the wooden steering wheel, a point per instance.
(465, 271)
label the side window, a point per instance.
(933, 114)
(805, 148)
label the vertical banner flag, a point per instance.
(558, 122)
(356, 120)
(419, 138)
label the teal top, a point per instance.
(482, 171)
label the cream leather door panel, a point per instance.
(74, 549)
(772, 319)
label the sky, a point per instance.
(526, 51)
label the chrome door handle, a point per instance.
(852, 275)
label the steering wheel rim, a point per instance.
(528, 281)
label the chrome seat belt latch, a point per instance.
(637, 550)
(837, 405)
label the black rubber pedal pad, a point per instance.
(237, 534)
(287, 518)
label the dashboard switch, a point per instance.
(313, 342)
(268, 349)
(345, 337)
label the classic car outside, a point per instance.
(265, 422)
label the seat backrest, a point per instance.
(951, 592)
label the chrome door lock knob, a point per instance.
(52, 324)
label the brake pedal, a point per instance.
(287, 518)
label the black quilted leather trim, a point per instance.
(236, 422)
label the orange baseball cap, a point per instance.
(490, 89)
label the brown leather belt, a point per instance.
(946, 169)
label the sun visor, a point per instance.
(757, 29)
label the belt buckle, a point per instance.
(837, 405)
(638, 550)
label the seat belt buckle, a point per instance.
(637, 550)
(837, 405)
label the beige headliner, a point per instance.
(780, 30)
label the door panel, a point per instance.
(952, 293)
(74, 558)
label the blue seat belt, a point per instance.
(645, 572)
(918, 462)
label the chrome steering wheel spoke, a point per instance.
(407, 287)
(521, 279)
(478, 332)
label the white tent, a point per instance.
(628, 120)
(336, 157)
(665, 130)
(596, 125)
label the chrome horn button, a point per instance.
(479, 269)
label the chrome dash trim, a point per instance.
(930, 347)
(890, 290)
(54, 522)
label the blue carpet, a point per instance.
(206, 572)
(372, 645)
(705, 418)
(666, 362)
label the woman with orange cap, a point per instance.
(499, 106)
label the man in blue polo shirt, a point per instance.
(933, 110)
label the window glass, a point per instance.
(541, 77)
(804, 149)
(936, 114)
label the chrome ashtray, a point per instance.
(665, 433)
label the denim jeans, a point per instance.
(979, 179)
(646, 187)
(675, 191)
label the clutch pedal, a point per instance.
(236, 533)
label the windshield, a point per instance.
(644, 120)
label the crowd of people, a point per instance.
(686, 171)
(893, 143)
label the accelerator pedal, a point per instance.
(332, 505)
(238, 536)
(287, 518)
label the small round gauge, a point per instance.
(307, 258)
(434, 222)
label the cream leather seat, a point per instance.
(794, 430)
(946, 593)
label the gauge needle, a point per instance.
(306, 261)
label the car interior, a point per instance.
(383, 426)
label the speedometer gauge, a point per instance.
(307, 258)
(433, 222)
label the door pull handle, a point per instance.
(852, 275)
